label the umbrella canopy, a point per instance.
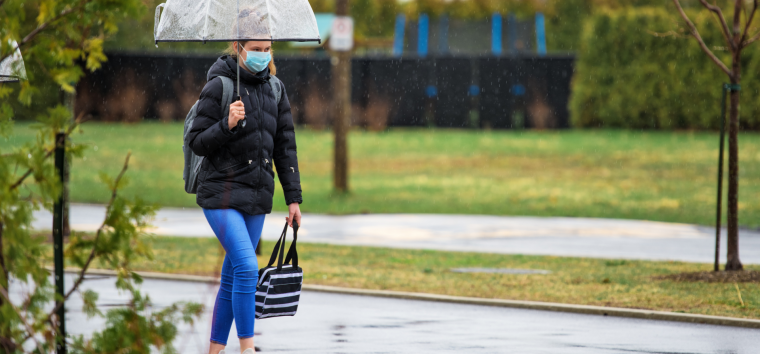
(324, 22)
(12, 68)
(231, 20)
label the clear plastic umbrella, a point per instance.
(217, 21)
(235, 20)
(12, 68)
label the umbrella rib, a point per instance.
(269, 19)
(205, 25)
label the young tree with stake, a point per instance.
(738, 36)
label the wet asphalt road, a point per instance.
(578, 237)
(333, 323)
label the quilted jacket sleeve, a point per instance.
(210, 130)
(285, 158)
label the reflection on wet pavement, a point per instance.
(581, 237)
(332, 323)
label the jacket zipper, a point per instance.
(261, 121)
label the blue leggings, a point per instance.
(239, 234)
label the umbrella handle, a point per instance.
(242, 121)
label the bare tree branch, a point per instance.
(721, 19)
(755, 38)
(701, 42)
(737, 25)
(749, 22)
(82, 271)
(23, 320)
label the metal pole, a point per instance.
(341, 80)
(237, 24)
(60, 158)
(719, 203)
(69, 100)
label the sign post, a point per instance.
(341, 44)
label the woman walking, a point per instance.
(236, 181)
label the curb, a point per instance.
(530, 305)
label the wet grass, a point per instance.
(663, 176)
(618, 283)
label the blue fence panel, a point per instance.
(422, 33)
(496, 34)
(540, 35)
(398, 35)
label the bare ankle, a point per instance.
(245, 344)
(216, 348)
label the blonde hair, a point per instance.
(230, 50)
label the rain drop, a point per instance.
(96, 148)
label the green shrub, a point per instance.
(640, 68)
(565, 18)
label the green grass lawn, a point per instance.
(664, 176)
(586, 281)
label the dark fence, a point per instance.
(460, 92)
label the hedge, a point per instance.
(640, 68)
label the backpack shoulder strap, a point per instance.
(227, 87)
(276, 87)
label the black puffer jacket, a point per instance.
(237, 172)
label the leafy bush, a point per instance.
(54, 36)
(639, 68)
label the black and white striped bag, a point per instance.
(279, 287)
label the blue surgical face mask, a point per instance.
(257, 61)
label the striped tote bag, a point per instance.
(279, 288)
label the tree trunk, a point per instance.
(341, 81)
(733, 262)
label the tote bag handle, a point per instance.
(279, 247)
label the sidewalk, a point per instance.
(578, 237)
(334, 323)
